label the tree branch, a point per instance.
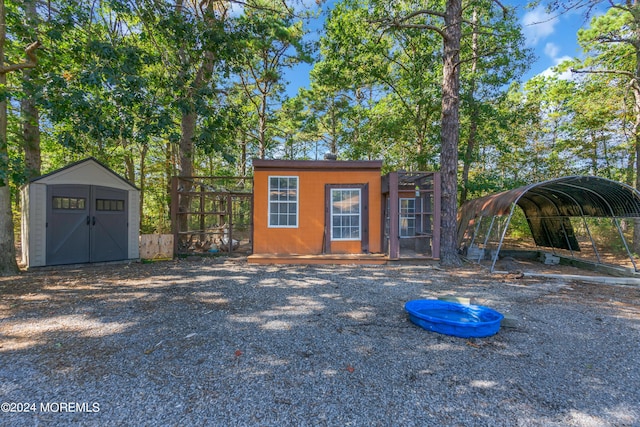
(31, 61)
(423, 12)
(401, 22)
(618, 72)
(420, 27)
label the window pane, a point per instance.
(110, 205)
(345, 214)
(407, 217)
(283, 201)
(72, 203)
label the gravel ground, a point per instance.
(222, 343)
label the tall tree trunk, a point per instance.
(8, 264)
(594, 153)
(262, 127)
(636, 223)
(143, 180)
(450, 132)
(635, 86)
(188, 131)
(169, 172)
(188, 128)
(628, 175)
(130, 170)
(31, 135)
(473, 127)
(243, 154)
(189, 119)
(28, 107)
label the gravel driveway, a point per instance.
(222, 343)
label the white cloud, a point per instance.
(537, 24)
(551, 50)
(560, 60)
(565, 75)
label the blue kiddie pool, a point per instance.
(451, 318)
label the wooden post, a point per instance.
(437, 211)
(394, 217)
(230, 222)
(202, 222)
(174, 212)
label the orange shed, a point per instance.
(305, 207)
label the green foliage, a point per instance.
(116, 78)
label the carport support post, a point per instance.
(624, 242)
(566, 238)
(486, 238)
(504, 232)
(593, 243)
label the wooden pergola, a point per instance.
(425, 189)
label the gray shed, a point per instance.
(81, 213)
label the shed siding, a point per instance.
(39, 224)
(24, 224)
(134, 224)
(307, 238)
(35, 246)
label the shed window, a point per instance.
(408, 217)
(283, 201)
(109, 205)
(345, 213)
(72, 203)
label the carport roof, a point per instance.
(548, 205)
(567, 196)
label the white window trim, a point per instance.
(269, 201)
(401, 217)
(359, 238)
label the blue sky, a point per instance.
(552, 37)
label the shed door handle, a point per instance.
(88, 220)
(94, 221)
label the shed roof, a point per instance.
(321, 165)
(546, 202)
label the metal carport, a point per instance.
(548, 206)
